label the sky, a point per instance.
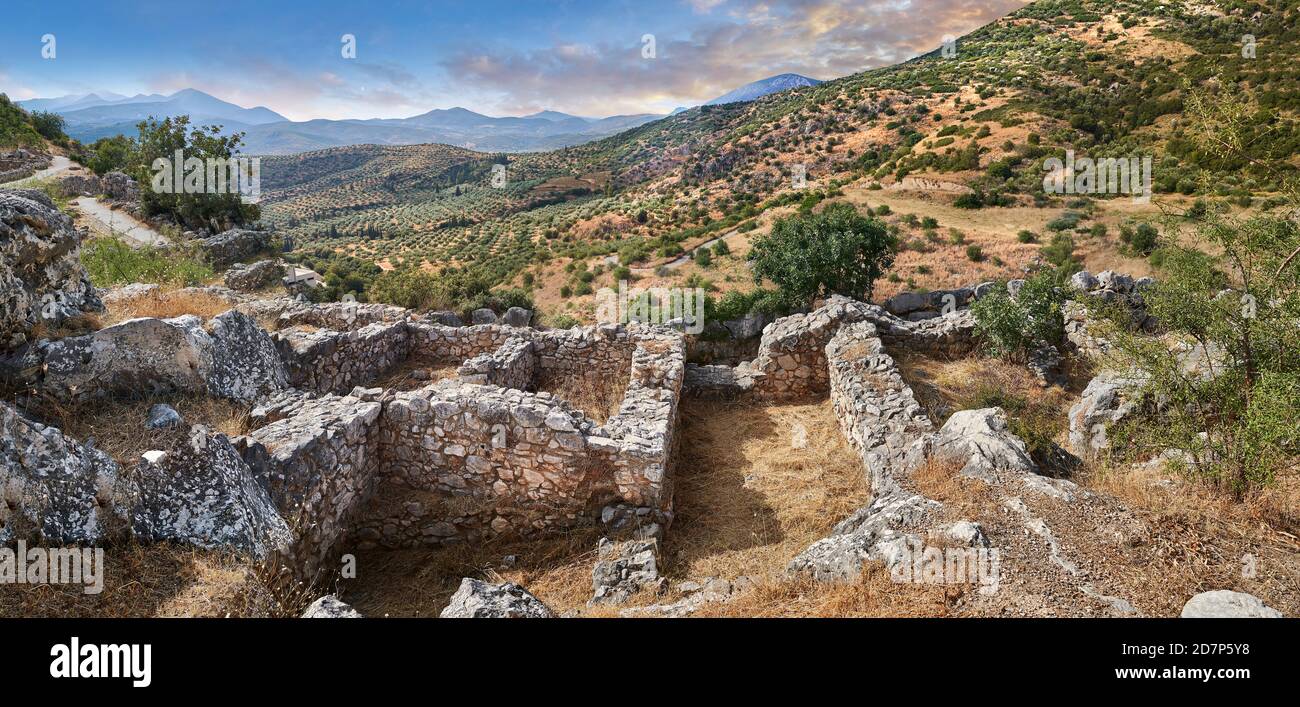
(588, 58)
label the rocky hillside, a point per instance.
(1103, 77)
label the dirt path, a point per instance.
(59, 166)
(106, 221)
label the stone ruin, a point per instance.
(337, 458)
(332, 463)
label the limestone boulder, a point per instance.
(54, 489)
(120, 187)
(1225, 604)
(475, 599)
(199, 491)
(233, 246)
(981, 441)
(42, 280)
(242, 362)
(517, 317)
(248, 278)
(330, 607)
(1107, 399)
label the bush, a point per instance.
(1027, 236)
(837, 251)
(1013, 328)
(49, 125)
(975, 253)
(1144, 239)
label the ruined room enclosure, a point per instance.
(461, 435)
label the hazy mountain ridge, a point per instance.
(104, 114)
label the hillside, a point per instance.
(1099, 77)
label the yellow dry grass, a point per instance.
(145, 581)
(756, 485)
(118, 425)
(165, 305)
(598, 402)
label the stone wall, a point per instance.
(328, 361)
(513, 365)
(791, 362)
(321, 464)
(463, 461)
(878, 413)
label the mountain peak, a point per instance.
(764, 87)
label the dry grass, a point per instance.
(945, 386)
(598, 402)
(414, 583)
(145, 581)
(404, 376)
(747, 500)
(165, 305)
(118, 425)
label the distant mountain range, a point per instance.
(95, 115)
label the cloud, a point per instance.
(704, 7)
(819, 38)
(353, 89)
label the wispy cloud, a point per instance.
(819, 38)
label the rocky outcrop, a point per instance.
(242, 361)
(249, 278)
(1225, 604)
(80, 185)
(120, 187)
(475, 599)
(330, 607)
(517, 317)
(623, 570)
(233, 246)
(56, 489)
(199, 491)
(1108, 399)
(980, 441)
(232, 357)
(42, 280)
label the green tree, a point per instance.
(837, 251)
(1224, 376)
(112, 154)
(161, 140)
(1013, 327)
(49, 125)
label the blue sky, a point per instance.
(501, 58)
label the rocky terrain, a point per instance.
(489, 440)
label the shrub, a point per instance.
(1013, 328)
(975, 253)
(1027, 236)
